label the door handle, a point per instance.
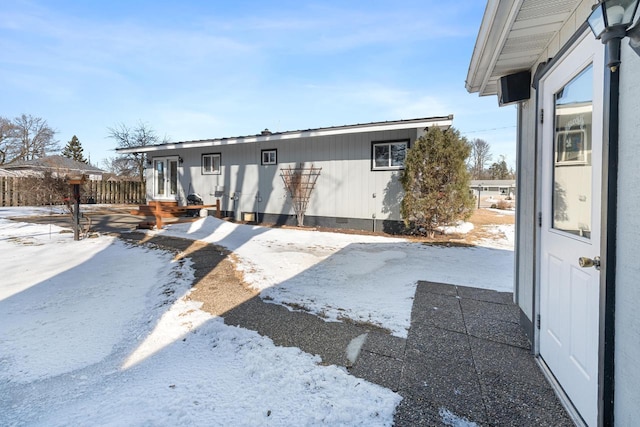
(586, 262)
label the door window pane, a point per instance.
(159, 171)
(572, 173)
(173, 176)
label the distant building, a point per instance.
(57, 165)
(491, 191)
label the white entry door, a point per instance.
(570, 207)
(165, 178)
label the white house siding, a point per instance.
(526, 211)
(528, 196)
(345, 189)
(627, 342)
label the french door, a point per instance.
(165, 178)
(572, 99)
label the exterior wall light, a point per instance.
(609, 22)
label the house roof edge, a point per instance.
(443, 121)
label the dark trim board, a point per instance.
(378, 225)
(386, 226)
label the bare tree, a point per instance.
(26, 138)
(139, 136)
(121, 166)
(34, 138)
(480, 156)
(7, 139)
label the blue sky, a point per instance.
(208, 69)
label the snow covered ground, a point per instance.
(99, 332)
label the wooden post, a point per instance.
(158, 215)
(76, 183)
(218, 212)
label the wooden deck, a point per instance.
(157, 210)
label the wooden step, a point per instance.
(164, 212)
(159, 209)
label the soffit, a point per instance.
(512, 37)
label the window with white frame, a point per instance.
(269, 157)
(389, 155)
(211, 164)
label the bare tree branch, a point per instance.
(139, 136)
(7, 139)
(26, 138)
(480, 156)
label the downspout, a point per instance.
(608, 243)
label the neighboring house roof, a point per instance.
(513, 34)
(493, 182)
(53, 163)
(266, 135)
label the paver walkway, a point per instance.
(464, 359)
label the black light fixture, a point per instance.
(609, 22)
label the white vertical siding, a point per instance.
(344, 189)
(526, 196)
(526, 208)
(575, 20)
(627, 343)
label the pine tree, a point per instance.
(436, 181)
(73, 150)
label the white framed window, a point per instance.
(211, 164)
(269, 157)
(389, 155)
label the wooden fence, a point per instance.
(32, 191)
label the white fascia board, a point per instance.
(499, 17)
(418, 124)
(482, 42)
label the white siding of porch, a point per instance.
(527, 199)
(627, 374)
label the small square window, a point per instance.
(389, 155)
(269, 157)
(211, 164)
